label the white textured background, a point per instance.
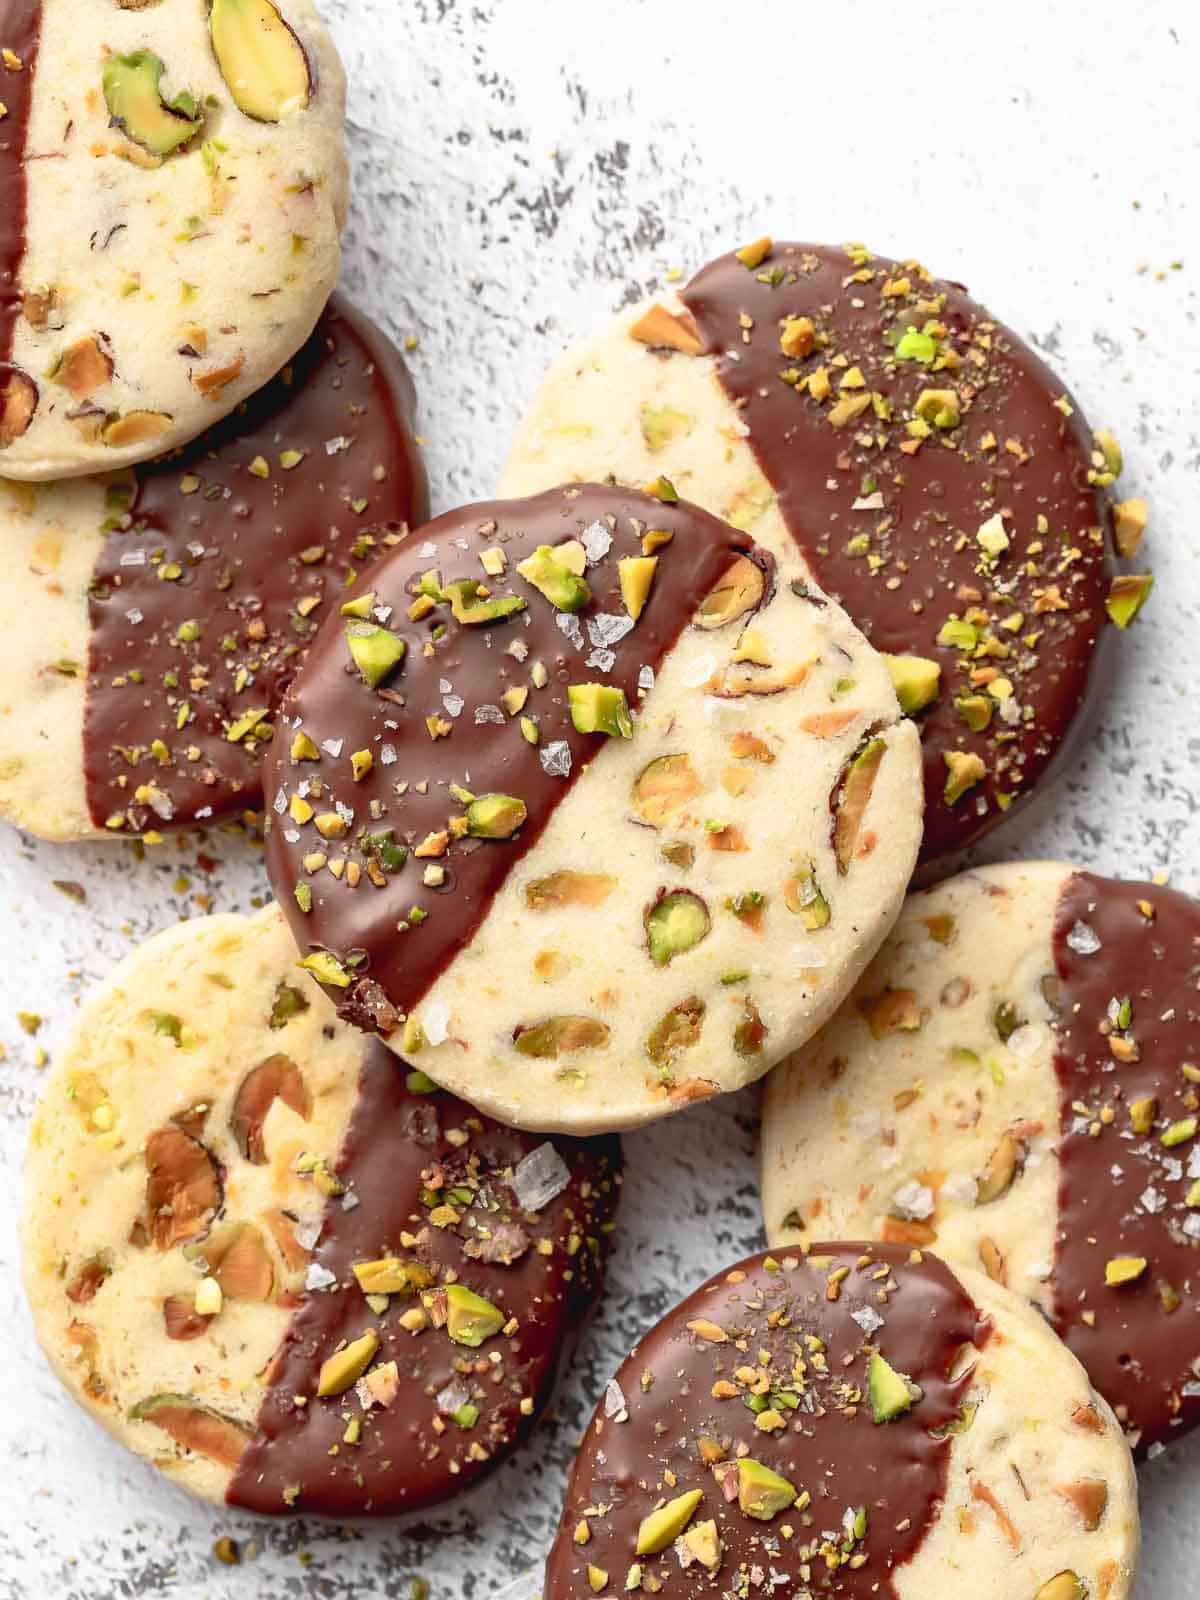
(523, 168)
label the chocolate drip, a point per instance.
(397, 1146)
(20, 30)
(830, 1449)
(268, 514)
(458, 676)
(909, 556)
(1123, 1193)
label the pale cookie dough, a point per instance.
(150, 620)
(937, 478)
(233, 1200)
(611, 836)
(175, 185)
(1012, 1084)
(864, 1414)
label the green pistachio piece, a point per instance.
(661, 424)
(391, 1275)
(891, 1393)
(912, 345)
(955, 634)
(803, 898)
(739, 591)
(664, 788)
(964, 769)
(261, 59)
(915, 680)
(360, 606)
(975, 710)
(938, 406)
(762, 1494)
(1127, 594)
(345, 1367)
(327, 969)
(676, 922)
(495, 816)
(1123, 1269)
(1063, 1586)
(466, 605)
(560, 1035)
(550, 577)
(663, 1527)
(470, 1319)
(637, 577)
(663, 489)
(377, 652)
(136, 104)
(600, 708)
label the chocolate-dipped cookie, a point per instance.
(1013, 1084)
(289, 1273)
(589, 806)
(152, 619)
(174, 181)
(936, 476)
(859, 1422)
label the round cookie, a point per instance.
(291, 1275)
(175, 183)
(931, 470)
(589, 807)
(858, 1422)
(152, 619)
(1013, 1084)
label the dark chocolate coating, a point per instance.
(830, 1448)
(1122, 1193)
(395, 1151)
(934, 501)
(333, 703)
(20, 30)
(246, 550)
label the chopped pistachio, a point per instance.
(345, 1367)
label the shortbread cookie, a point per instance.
(861, 1422)
(174, 180)
(934, 474)
(289, 1273)
(590, 807)
(1014, 1084)
(152, 619)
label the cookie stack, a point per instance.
(582, 805)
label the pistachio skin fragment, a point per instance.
(261, 59)
(276, 1078)
(676, 922)
(663, 1527)
(194, 1426)
(136, 104)
(600, 708)
(470, 1319)
(346, 1367)
(852, 798)
(18, 403)
(375, 651)
(762, 1494)
(915, 680)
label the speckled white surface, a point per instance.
(521, 170)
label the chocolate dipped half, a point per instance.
(153, 618)
(920, 458)
(1013, 1084)
(857, 1421)
(590, 807)
(289, 1273)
